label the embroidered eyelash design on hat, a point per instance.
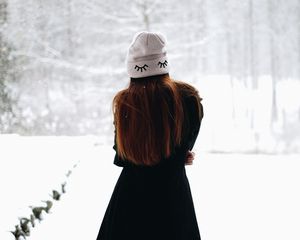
(138, 68)
(164, 64)
(147, 55)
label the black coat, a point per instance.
(154, 203)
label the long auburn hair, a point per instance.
(149, 116)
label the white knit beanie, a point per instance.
(147, 55)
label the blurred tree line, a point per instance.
(62, 62)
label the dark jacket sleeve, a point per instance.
(118, 161)
(195, 122)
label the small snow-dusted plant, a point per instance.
(18, 233)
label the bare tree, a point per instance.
(274, 58)
(6, 102)
(229, 32)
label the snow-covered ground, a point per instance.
(236, 196)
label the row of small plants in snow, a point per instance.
(22, 230)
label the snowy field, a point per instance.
(237, 197)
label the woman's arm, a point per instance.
(195, 119)
(189, 158)
(195, 122)
(118, 161)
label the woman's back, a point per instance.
(193, 114)
(155, 202)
